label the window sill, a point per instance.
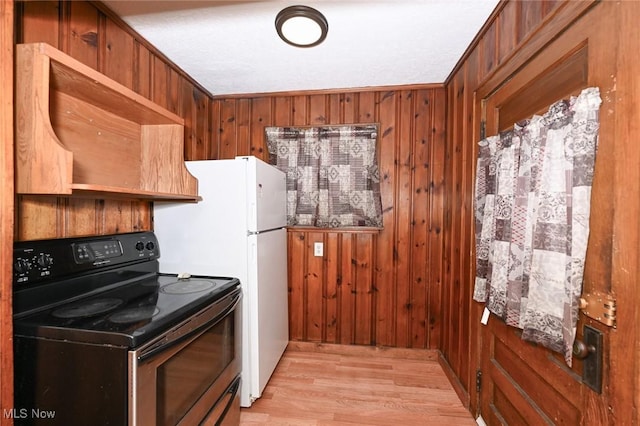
(346, 230)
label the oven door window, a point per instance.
(186, 375)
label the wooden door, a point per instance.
(522, 383)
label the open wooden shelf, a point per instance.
(80, 133)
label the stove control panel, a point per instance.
(91, 251)
(46, 260)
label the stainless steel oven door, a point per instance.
(181, 376)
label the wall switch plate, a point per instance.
(318, 249)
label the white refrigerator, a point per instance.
(237, 230)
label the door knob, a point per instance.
(581, 350)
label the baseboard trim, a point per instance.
(455, 381)
(365, 351)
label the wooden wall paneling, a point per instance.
(335, 108)
(364, 317)
(553, 18)
(455, 197)
(548, 6)
(530, 16)
(386, 254)
(554, 22)
(317, 110)
(507, 28)
(80, 32)
(200, 127)
(422, 143)
(174, 91)
(367, 107)
(296, 255)
(403, 206)
(459, 345)
(190, 115)
(489, 50)
(6, 205)
(349, 108)
(450, 328)
(87, 218)
(467, 190)
(117, 216)
(299, 110)
(313, 291)
(261, 112)
(227, 144)
(347, 290)
(457, 292)
(437, 195)
(448, 258)
(500, 43)
(245, 125)
(118, 54)
(332, 276)
(216, 129)
(142, 70)
(159, 81)
(471, 136)
(39, 22)
(38, 217)
(142, 216)
(282, 111)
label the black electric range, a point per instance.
(96, 325)
(104, 290)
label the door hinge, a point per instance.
(478, 380)
(599, 306)
(483, 129)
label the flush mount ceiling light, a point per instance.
(301, 26)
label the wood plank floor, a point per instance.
(343, 385)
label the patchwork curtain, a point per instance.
(532, 207)
(332, 174)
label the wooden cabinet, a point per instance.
(81, 133)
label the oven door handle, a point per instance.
(186, 330)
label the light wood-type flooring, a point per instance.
(346, 385)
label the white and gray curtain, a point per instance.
(532, 207)
(332, 174)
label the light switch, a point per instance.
(318, 249)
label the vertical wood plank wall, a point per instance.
(90, 33)
(507, 30)
(381, 288)
(369, 288)
(514, 32)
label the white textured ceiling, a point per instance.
(231, 47)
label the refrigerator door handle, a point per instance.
(250, 233)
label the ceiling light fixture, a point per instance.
(301, 26)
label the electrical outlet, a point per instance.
(318, 249)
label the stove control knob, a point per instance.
(22, 266)
(45, 260)
(151, 245)
(139, 246)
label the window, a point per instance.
(332, 174)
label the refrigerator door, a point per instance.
(268, 303)
(209, 237)
(266, 196)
